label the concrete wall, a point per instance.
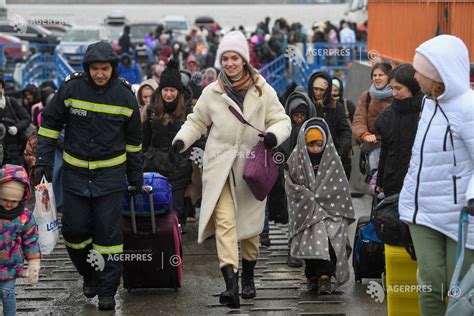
(357, 82)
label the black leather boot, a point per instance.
(230, 297)
(248, 285)
(106, 303)
(89, 287)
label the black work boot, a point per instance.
(106, 303)
(293, 262)
(89, 287)
(230, 297)
(248, 285)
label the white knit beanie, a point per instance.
(233, 41)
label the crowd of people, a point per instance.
(198, 52)
(418, 117)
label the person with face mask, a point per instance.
(320, 93)
(166, 113)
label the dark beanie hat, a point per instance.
(302, 108)
(170, 77)
(196, 89)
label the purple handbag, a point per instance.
(260, 170)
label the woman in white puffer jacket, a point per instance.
(440, 180)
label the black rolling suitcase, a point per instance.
(368, 258)
(156, 244)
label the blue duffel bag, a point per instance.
(162, 196)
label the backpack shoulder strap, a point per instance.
(367, 101)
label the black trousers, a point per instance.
(92, 227)
(317, 268)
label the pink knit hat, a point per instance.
(234, 41)
(425, 67)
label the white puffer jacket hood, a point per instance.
(440, 179)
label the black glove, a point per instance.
(270, 140)
(136, 187)
(41, 171)
(470, 207)
(173, 153)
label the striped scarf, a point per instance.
(237, 90)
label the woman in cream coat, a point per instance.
(228, 208)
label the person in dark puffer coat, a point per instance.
(320, 93)
(397, 125)
(166, 114)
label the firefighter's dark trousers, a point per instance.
(92, 227)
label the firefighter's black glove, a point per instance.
(173, 153)
(136, 186)
(470, 207)
(269, 140)
(41, 171)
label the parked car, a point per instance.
(179, 25)
(32, 33)
(204, 21)
(14, 49)
(76, 40)
(116, 18)
(138, 31)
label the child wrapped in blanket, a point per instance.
(319, 208)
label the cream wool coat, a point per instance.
(228, 144)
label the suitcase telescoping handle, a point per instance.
(149, 190)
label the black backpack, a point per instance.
(390, 229)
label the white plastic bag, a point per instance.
(46, 217)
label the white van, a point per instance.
(179, 24)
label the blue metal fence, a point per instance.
(275, 74)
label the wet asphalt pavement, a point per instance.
(281, 290)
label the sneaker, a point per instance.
(324, 285)
(106, 303)
(89, 288)
(265, 240)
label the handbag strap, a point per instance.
(243, 120)
(460, 246)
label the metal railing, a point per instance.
(63, 68)
(275, 74)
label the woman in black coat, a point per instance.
(166, 114)
(15, 120)
(397, 125)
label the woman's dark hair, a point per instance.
(405, 75)
(158, 105)
(385, 67)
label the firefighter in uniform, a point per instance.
(102, 145)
